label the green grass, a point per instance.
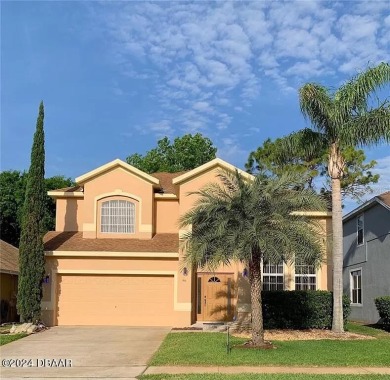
(210, 349)
(4, 339)
(365, 330)
(246, 376)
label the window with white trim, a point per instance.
(356, 287)
(305, 276)
(360, 229)
(273, 276)
(118, 217)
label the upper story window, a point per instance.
(118, 217)
(360, 229)
(305, 276)
(273, 276)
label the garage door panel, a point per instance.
(115, 300)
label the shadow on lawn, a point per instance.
(379, 326)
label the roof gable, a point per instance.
(115, 164)
(217, 162)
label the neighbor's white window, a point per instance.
(356, 287)
(305, 276)
(360, 229)
(273, 276)
(117, 216)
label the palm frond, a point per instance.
(368, 129)
(306, 140)
(235, 218)
(353, 96)
(316, 104)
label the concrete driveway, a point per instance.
(94, 352)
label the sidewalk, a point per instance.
(245, 369)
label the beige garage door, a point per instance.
(115, 300)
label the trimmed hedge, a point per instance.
(383, 306)
(300, 309)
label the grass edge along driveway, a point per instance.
(8, 338)
(209, 349)
(269, 376)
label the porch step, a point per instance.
(214, 326)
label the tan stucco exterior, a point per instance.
(113, 287)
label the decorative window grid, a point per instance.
(356, 287)
(305, 276)
(118, 217)
(273, 276)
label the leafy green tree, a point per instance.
(271, 158)
(340, 119)
(31, 253)
(12, 190)
(12, 194)
(252, 221)
(185, 153)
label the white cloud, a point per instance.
(197, 57)
(162, 128)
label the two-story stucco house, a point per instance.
(114, 258)
(366, 273)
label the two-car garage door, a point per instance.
(122, 300)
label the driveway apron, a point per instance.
(82, 352)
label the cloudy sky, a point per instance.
(117, 76)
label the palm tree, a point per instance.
(341, 119)
(237, 219)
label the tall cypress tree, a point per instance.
(31, 252)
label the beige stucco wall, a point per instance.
(118, 182)
(69, 214)
(167, 215)
(187, 201)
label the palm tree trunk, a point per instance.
(337, 228)
(257, 312)
(336, 166)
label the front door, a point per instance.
(215, 294)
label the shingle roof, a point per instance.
(74, 241)
(9, 258)
(166, 181)
(385, 197)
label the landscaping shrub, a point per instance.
(383, 306)
(300, 309)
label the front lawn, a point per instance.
(246, 376)
(5, 338)
(210, 349)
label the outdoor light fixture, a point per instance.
(245, 272)
(46, 279)
(185, 271)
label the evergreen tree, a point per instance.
(31, 251)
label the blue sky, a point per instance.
(117, 76)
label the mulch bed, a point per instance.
(312, 334)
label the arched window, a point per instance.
(118, 217)
(214, 279)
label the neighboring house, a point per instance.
(115, 257)
(367, 256)
(9, 270)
